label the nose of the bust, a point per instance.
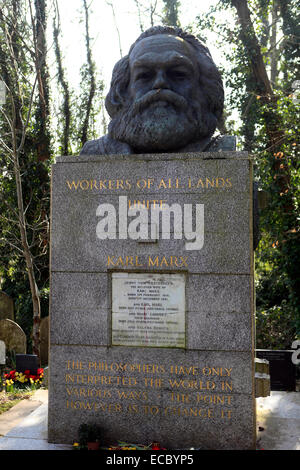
(160, 80)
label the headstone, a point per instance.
(6, 306)
(262, 366)
(13, 336)
(282, 369)
(44, 338)
(27, 362)
(153, 337)
(262, 385)
(262, 378)
(2, 353)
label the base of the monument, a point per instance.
(181, 399)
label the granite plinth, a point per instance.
(200, 392)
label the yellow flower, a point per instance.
(76, 444)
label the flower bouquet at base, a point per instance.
(14, 380)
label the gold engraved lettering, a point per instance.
(226, 414)
(183, 262)
(141, 184)
(119, 261)
(214, 399)
(226, 386)
(84, 185)
(168, 262)
(153, 410)
(210, 182)
(180, 397)
(191, 384)
(102, 184)
(154, 383)
(153, 263)
(192, 370)
(73, 184)
(200, 183)
(76, 365)
(132, 395)
(189, 412)
(133, 408)
(219, 181)
(162, 184)
(110, 261)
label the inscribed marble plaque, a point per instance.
(148, 310)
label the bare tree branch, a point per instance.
(110, 4)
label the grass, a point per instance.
(10, 399)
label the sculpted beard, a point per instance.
(160, 120)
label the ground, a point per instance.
(8, 400)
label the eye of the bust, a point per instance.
(177, 74)
(146, 74)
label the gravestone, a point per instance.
(6, 307)
(153, 337)
(2, 353)
(13, 336)
(44, 338)
(27, 362)
(282, 369)
(262, 378)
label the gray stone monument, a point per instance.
(151, 324)
(2, 353)
(13, 336)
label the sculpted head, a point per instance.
(166, 93)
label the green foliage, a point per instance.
(89, 433)
(171, 13)
(275, 327)
(77, 111)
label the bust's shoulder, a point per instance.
(105, 146)
(91, 147)
(224, 143)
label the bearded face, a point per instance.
(159, 121)
(166, 107)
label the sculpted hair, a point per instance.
(210, 79)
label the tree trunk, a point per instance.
(43, 144)
(64, 84)
(91, 71)
(273, 47)
(28, 258)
